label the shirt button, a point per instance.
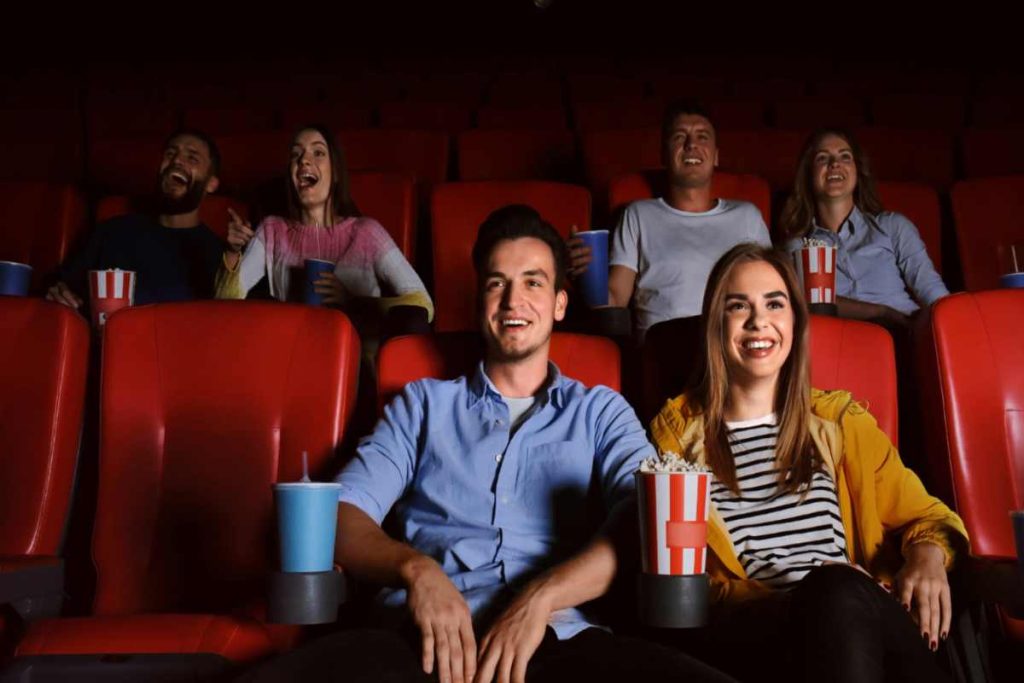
(499, 422)
(497, 458)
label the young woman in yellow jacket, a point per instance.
(828, 559)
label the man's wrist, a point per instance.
(414, 566)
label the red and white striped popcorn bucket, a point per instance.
(674, 509)
(816, 266)
(109, 291)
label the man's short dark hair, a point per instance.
(205, 139)
(677, 108)
(514, 222)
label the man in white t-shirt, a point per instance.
(662, 251)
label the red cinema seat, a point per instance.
(452, 118)
(40, 144)
(809, 113)
(987, 216)
(518, 154)
(235, 120)
(736, 113)
(919, 110)
(973, 371)
(422, 154)
(515, 88)
(458, 209)
(195, 428)
(125, 165)
(335, 116)
(45, 352)
(213, 211)
(608, 154)
(993, 152)
(919, 203)
(616, 114)
(589, 359)
(42, 223)
(646, 184)
(845, 354)
(251, 160)
(390, 198)
(771, 154)
(516, 117)
(911, 154)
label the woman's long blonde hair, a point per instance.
(795, 451)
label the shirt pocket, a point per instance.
(554, 478)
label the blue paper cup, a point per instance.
(14, 278)
(594, 280)
(314, 269)
(307, 520)
(1012, 281)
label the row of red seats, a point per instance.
(191, 441)
(44, 222)
(125, 164)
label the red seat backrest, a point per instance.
(919, 203)
(608, 154)
(613, 114)
(250, 160)
(989, 153)
(977, 383)
(213, 211)
(803, 113)
(550, 117)
(517, 154)
(125, 165)
(335, 116)
(450, 117)
(646, 184)
(770, 154)
(912, 154)
(390, 198)
(45, 352)
(458, 209)
(845, 354)
(42, 222)
(234, 120)
(919, 110)
(423, 154)
(987, 216)
(195, 428)
(592, 360)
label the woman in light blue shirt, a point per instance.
(883, 272)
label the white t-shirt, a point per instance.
(673, 252)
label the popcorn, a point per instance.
(810, 242)
(671, 462)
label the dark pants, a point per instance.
(388, 656)
(836, 625)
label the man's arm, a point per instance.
(621, 281)
(863, 310)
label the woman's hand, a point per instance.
(922, 587)
(329, 287)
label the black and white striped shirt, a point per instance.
(778, 537)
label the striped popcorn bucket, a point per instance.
(816, 267)
(109, 291)
(674, 510)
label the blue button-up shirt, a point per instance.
(879, 259)
(491, 507)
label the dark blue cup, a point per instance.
(1012, 281)
(307, 521)
(314, 269)
(593, 282)
(14, 278)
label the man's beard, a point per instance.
(186, 203)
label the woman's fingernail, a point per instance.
(925, 636)
(945, 635)
(934, 646)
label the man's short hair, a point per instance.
(514, 222)
(677, 108)
(205, 139)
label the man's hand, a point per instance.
(923, 588)
(579, 254)
(507, 648)
(62, 294)
(239, 233)
(443, 617)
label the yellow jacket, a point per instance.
(884, 505)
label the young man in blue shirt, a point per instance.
(490, 478)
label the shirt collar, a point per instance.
(481, 387)
(854, 223)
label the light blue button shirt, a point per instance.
(492, 507)
(879, 259)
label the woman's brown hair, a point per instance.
(795, 451)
